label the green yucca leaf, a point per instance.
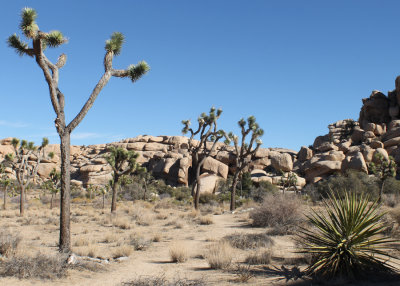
(54, 39)
(346, 239)
(114, 44)
(28, 24)
(136, 72)
(19, 46)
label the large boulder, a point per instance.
(44, 169)
(355, 162)
(322, 168)
(212, 165)
(208, 183)
(304, 154)
(375, 109)
(281, 161)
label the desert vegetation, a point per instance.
(261, 223)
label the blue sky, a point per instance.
(297, 66)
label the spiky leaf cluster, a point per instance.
(28, 25)
(118, 156)
(347, 241)
(135, 72)
(383, 168)
(17, 44)
(54, 39)
(114, 44)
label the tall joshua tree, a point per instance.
(122, 162)
(40, 41)
(25, 169)
(208, 134)
(245, 152)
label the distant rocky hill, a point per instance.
(349, 144)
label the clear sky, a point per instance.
(297, 66)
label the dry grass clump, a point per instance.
(81, 241)
(206, 220)
(219, 255)
(92, 250)
(249, 240)
(138, 242)
(156, 237)
(41, 266)
(123, 250)
(283, 212)
(257, 258)
(9, 244)
(161, 281)
(110, 238)
(178, 252)
(122, 222)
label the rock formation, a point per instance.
(348, 145)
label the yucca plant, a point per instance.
(347, 241)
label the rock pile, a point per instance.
(348, 145)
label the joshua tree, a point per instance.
(6, 182)
(288, 180)
(40, 41)
(24, 167)
(104, 190)
(244, 153)
(208, 135)
(146, 177)
(382, 169)
(122, 162)
(53, 184)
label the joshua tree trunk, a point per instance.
(114, 195)
(197, 184)
(381, 191)
(5, 198)
(65, 197)
(22, 201)
(51, 201)
(233, 191)
(104, 195)
(145, 189)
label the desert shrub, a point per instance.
(392, 186)
(77, 192)
(257, 258)
(258, 193)
(278, 211)
(395, 214)
(178, 252)
(346, 241)
(208, 198)
(350, 182)
(249, 240)
(122, 250)
(206, 220)
(139, 243)
(219, 255)
(40, 266)
(8, 243)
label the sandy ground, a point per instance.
(95, 230)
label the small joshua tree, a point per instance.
(25, 169)
(6, 182)
(145, 176)
(53, 184)
(122, 162)
(288, 181)
(382, 169)
(245, 152)
(208, 133)
(40, 41)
